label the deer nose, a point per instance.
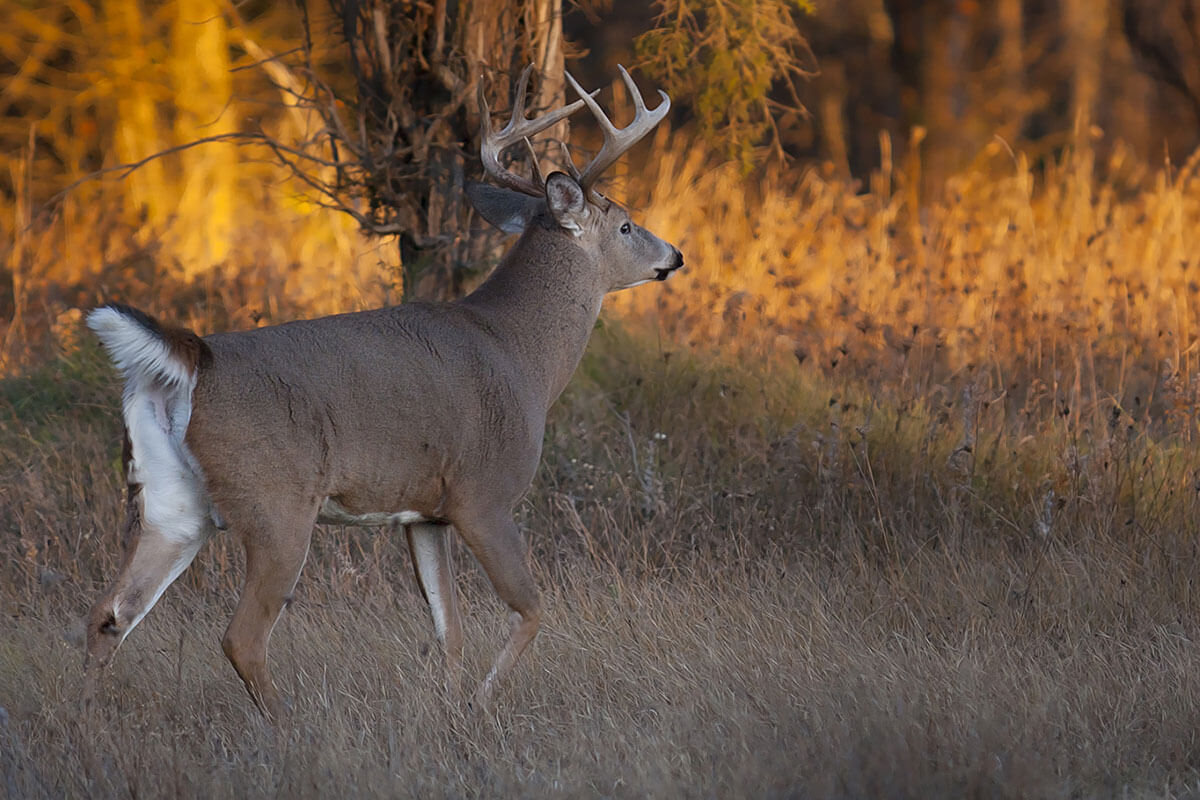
(676, 263)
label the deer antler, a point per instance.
(617, 141)
(493, 143)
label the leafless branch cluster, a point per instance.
(395, 116)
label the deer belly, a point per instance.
(332, 513)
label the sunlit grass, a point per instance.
(1047, 285)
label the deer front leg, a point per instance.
(275, 553)
(429, 545)
(497, 544)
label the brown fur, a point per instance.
(187, 347)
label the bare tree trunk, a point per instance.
(1009, 19)
(407, 143)
(546, 27)
(833, 118)
(1085, 22)
(204, 82)
(948, 26)
(137, 125)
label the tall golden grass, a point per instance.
(1069, 278)
(1065, 284)
(756, 581)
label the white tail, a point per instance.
(139, 350)
(426, 417)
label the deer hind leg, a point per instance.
(167, 519)
(500, 550)
(275, 553)
(429, 545)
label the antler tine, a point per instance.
(519, 98)
(538, 177)
(569, 162)
(492, 143)
(618, 140)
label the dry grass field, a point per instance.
(758, 583)
(880, 497)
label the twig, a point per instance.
(128, 169)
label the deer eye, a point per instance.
(625, 228)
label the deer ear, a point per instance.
(567, 202)
(507, 210)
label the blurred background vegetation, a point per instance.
(998, 198)
(985, 147)
(995, 193)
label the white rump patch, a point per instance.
(174, 500)
(157, 409)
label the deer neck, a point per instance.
(542, 300)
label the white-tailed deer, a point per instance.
(423, 416)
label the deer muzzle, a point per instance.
(676, 263)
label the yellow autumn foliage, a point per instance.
(221, 216)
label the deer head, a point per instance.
(569, 205)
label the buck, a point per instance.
(426, 417)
